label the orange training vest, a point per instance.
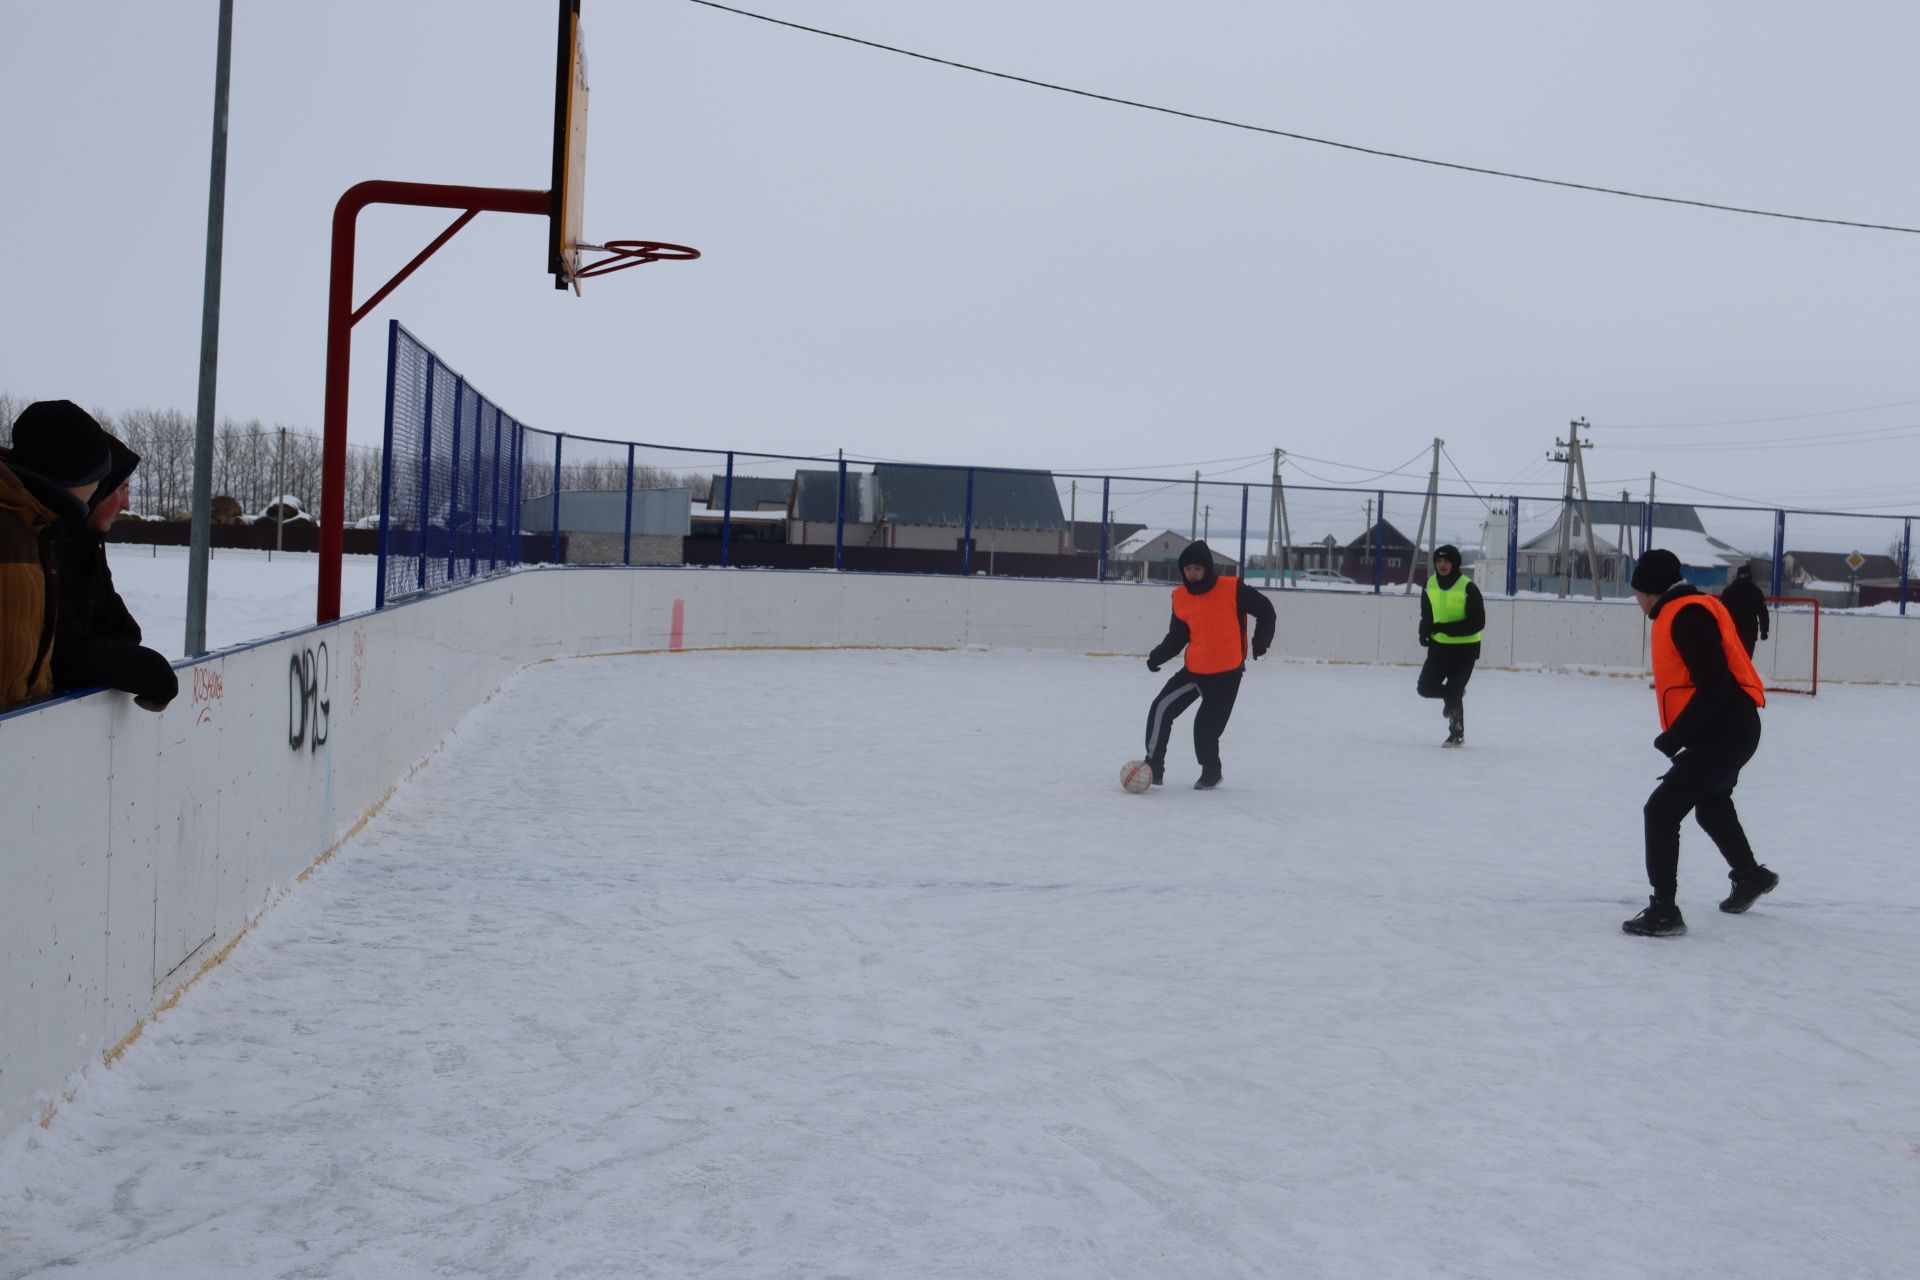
(1673, 685)
(1216, 641)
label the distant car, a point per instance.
(1322, 576)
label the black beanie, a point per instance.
(1658, 569)
(59, 440)
(1447, 551)
(1197, 553)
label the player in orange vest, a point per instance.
(1709, 699)
(1210, 623)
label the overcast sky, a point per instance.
(913, 262)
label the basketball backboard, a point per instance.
(569, 190)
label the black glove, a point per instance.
(1153, 664)
(1259, 651)
(1426, 634)
(1763, 633)
(1666, 746)
(150, 679)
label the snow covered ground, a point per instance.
(249, 595)
(861, 964)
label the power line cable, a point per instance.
(1329, 462)
(1463, 477)
(1746, 422)
(1863, 435)
(1301, 137)
(1247, 458)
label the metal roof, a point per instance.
(668, 511)
(816, 497)
(750, 493)
(938, 496)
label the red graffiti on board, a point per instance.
(207, 690)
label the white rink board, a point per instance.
(140, 846)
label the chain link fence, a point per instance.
(467, 491)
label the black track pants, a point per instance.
(1446, 672)
(1701, 782)
(1216, 694)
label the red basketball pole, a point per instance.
(341, 317)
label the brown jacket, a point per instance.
(29, 590)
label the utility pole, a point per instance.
(1563, 544)
(1193, 530)
(1206, 523)
(1625, 543)
(1576, 468)
(1429, 525)
(1073, 517)
(1286, 529)
(1646, 543)
(280, 488)
(1273, 519)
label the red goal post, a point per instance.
(1789, 658)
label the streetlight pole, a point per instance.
(202, 537)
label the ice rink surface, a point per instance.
(861, 964)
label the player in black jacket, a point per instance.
(1453, 643)
(1709, 699)
(98, 640)
(1209, 622)
(1747, 605)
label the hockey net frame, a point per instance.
(1798, 639)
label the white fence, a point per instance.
(138, 847)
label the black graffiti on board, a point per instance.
(309, 706)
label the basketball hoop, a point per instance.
(622, 254)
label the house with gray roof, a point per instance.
(750, 493)
(594, 523)
(927, 508)
(1154, 555)
(1705, 560)
(1806, 568)
(813, 511)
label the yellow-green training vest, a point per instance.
(1449, 606)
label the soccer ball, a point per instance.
(1136, 776)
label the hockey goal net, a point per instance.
(1789, 658)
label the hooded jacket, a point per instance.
(1472, 625)
(1747, 605)
(1245, 600)
(30, 525)
(97, 642)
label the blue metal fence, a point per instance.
(448, 475)
(464, 482)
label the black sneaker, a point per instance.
(1456, 728)
(1659, 920)
(1159, 771)
(1209, 779)
(1747, 886)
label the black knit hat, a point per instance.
(1197, 553)
(59, 440)
(1658, 569)
(1447, 551)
